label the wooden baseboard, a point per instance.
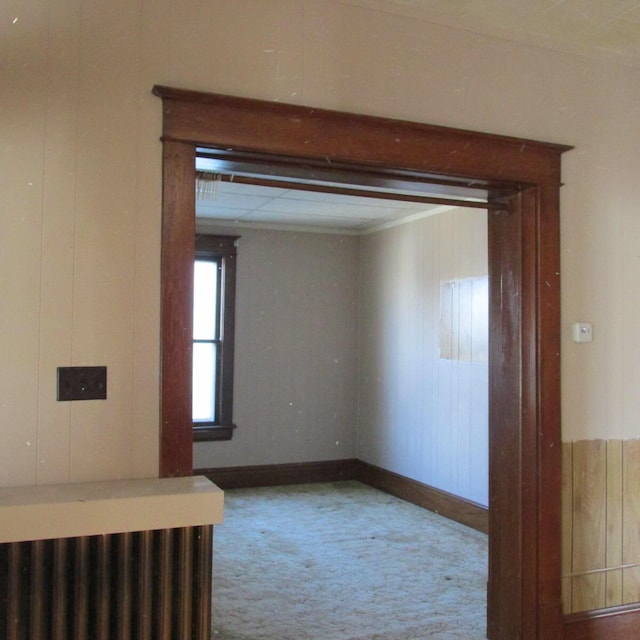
(280, 474)
(613, 623)
(446, 504)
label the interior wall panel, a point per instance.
(57, 251)
(295, 373)
(105, 211)
(23, 49)
(601, 554)
(423, 400)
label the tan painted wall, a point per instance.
(80, 185)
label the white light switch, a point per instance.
(582, 332)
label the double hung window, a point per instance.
(213, 336)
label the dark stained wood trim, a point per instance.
(178, 233)
(446, 504)
(546, 471)
(506, 565)
(245, 124)
(614, 623)
(525, 422)
(271, 475)
(224, 247)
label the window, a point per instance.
(214, 286)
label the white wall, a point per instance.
(295, 376)
(423, 400)
(80, 181)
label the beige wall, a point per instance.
(423, 382)
(295, 391)
(80, 185)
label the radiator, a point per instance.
(153, 585)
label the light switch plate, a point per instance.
(82, 383)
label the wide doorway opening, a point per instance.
(521, 180)
(361, 335)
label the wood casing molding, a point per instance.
(443, 503)
(521, 175)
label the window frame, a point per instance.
(222, 248)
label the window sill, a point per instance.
(211, 433)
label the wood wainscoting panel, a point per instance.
(567, 525)
(601, 525)
(631, 520)
(631, 586)
(589, 523)
(614, 523)
(588, 592)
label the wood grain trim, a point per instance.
(601, 520)
(280, 474)
(589, 523)
(446, 504)
(178, 250)
(614, 523)
(243, 123)
(631, 519)
(613, 623)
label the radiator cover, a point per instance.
(140, 585)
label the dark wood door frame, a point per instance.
(523, 180)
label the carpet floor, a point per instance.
(343, 561)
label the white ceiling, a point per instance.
(251, 205)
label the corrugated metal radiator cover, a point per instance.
(142, 585)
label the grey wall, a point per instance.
(296, 350)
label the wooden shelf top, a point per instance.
(118, 506)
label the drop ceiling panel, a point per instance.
(305, 220)
(246, 203)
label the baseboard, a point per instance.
(446, 504)
(614, 623)
(280, 474)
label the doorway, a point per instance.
(522, 180)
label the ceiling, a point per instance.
(256, 205)
(595, 28)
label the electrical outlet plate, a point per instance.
(82, 383)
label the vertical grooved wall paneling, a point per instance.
(601, 524)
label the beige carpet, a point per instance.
(343, 561)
